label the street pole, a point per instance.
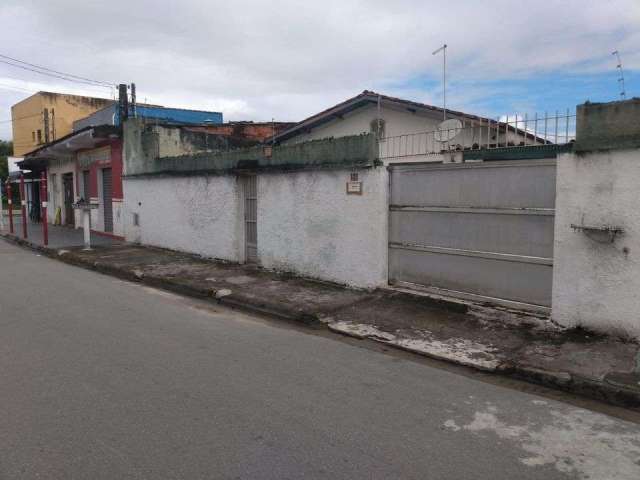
(23, 207)
(43, 197)
(86, 224)
(10, 204)
(1, 210)
(443, 49)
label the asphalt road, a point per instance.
(104, 379)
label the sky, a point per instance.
(258, 60)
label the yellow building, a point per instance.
(46, 116)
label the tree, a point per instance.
(6, 150)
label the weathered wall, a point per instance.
(596, 282)
(255, 131)
(399, 144)
(146, 142)
(196, 214)
(309, 225)
(158, 149)
(397, 122)
(55, 171)
(601, 126)
(66, 108)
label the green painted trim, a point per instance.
(517, 153)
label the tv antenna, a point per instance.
(443, 49)
(623, 93)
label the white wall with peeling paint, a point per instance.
(596, 282)
(196, 214)
(308, 224)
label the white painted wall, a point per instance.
(596, 284)
(308, 224)
(397, 122)
(194, 214)
(397, 147)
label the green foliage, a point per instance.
(6, 150)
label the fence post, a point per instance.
(10, 205)
(43, 197)
(23, 207)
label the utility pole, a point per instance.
(133, 100)
(53, 124)
(45, 115)
(123, 102)
(443, 49)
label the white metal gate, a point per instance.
(478, 229)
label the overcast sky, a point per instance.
(289, 59)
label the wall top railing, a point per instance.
(467, 134)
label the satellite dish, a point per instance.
(448, 130)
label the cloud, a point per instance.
(287, 59)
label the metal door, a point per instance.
(67, 184)
(86, 174)
(474, 229)
(107, 195)
(250, 193)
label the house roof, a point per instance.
(353, 103)
(370, 97)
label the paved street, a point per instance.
(104, 379)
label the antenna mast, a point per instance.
(443, 49)
(623, 93)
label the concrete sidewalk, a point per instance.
(59, 236)
(474, 335)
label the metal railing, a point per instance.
(466, 133)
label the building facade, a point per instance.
(47, 116)
(86, 165)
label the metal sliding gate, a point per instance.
(475, 229)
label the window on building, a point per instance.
(39, 137)
(33, 136)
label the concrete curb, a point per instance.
(588, 387)
(308, 318)
(559, 380)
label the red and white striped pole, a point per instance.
(23, 206)
(10, 204)
(43, 197)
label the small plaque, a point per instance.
(354, 188)
(85, 206)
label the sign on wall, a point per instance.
(354, 185)
(100, 155)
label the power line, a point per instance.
(40, 67)
(17, 89)
(26, 82)
(55, 71)
(62, 76)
